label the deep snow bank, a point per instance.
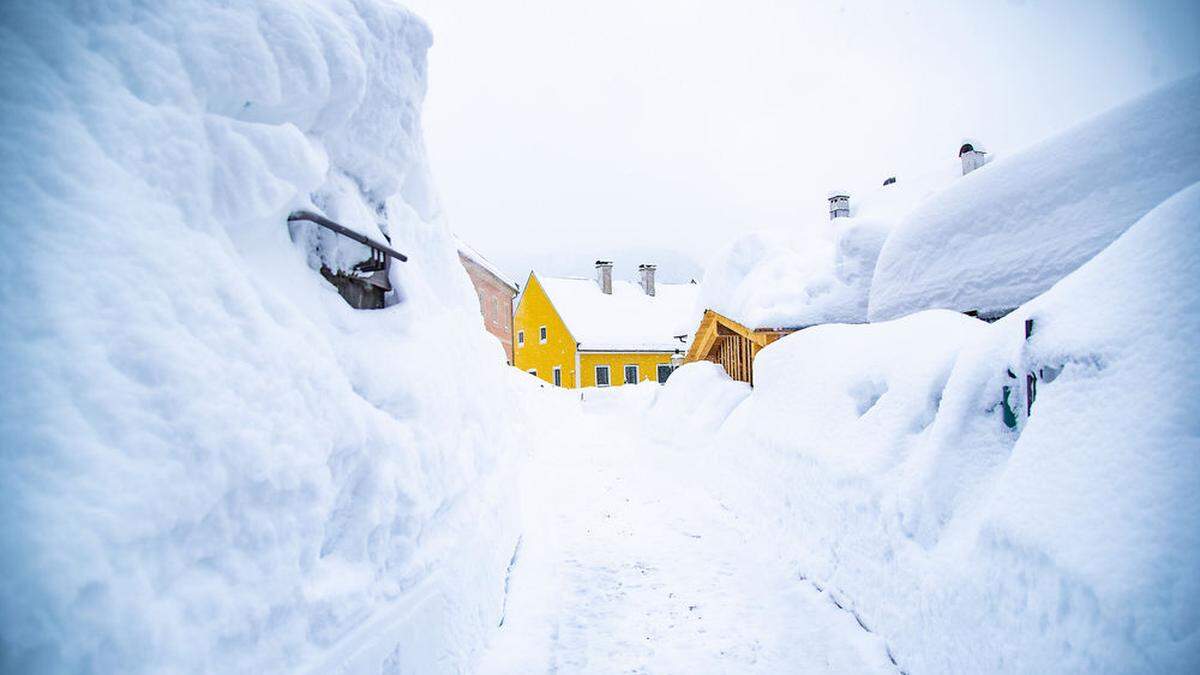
(878, 457)
(1009, 230)
(210, 462)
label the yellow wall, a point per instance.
(646, 362)
(533, 312)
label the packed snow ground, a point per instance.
(630, 564)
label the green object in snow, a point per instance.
(1010, 415)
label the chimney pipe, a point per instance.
(604, 276)
(647, 273)
(839, 205)
(972, 156)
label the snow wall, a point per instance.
(879, 458)
(211, 463)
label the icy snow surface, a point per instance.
(890, 481)
(1007, 231)
(210, 462)
(626, 320)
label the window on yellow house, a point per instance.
(542, 335)
(664, 371)
(631, 374)
(601, 376)
(520, 338)
(557, 376)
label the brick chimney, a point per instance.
(839, 205)
(604, 276)
(647, 273)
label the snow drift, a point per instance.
(1071, 543)
(1007, 231)
(211, 463)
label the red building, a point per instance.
(495, 293)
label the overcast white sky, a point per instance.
(651, 131)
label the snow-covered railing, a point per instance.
(367, 283)
(328, 224)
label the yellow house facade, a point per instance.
(573, 332)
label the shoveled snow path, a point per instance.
(628, 565)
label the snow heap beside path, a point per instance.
(878, 457)
(211, 463)
(792, 278)
(1010, 230)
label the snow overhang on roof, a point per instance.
(995, 239)
(467, 251)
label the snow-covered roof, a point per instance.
(792, 278)
(1008, 231)
(627, 320)
(467, 251)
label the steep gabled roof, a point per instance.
(627, 320)
(713, 324)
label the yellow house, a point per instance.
(574, 332)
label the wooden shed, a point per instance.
(722, 340)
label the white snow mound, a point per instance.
(210, 462)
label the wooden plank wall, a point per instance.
(736, 354)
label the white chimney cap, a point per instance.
(969, 144)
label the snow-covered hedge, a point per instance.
(878, 457)
(210, 462)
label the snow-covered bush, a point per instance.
(210, 462)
